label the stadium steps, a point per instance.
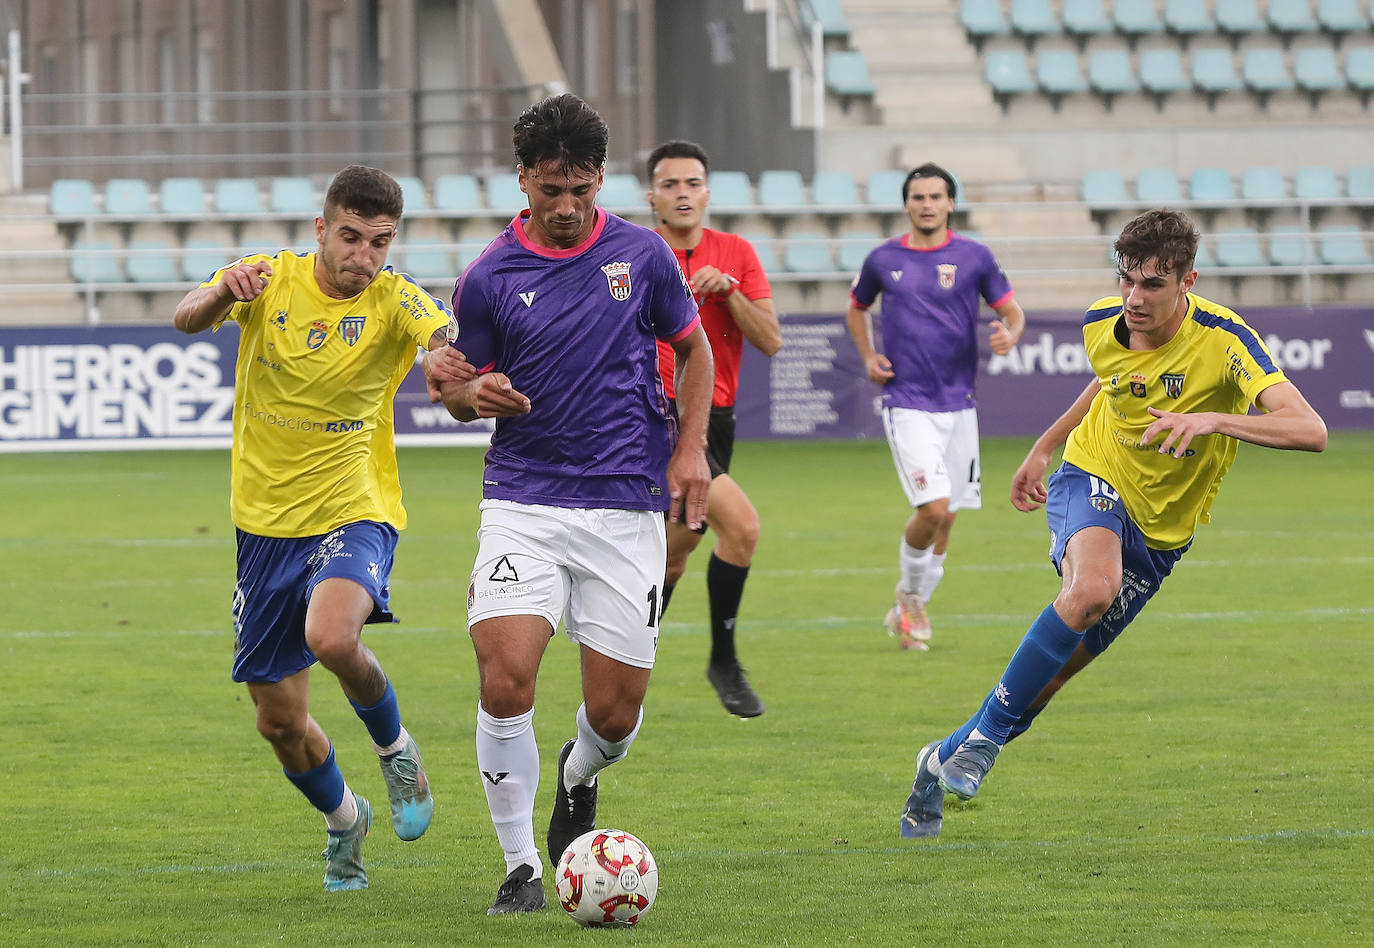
(26, 232)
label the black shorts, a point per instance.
(720, 437)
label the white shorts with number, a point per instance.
(599, 571)
(936, 454)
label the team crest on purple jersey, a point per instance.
(618, 279)
(945, 271)
(314, 337)
(351, 328)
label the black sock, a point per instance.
(667, 594)
(725, 588)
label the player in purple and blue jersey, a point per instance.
(932, 282)
(560, 315)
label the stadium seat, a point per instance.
(1161, 72)
(1340, 245)
(1158, 186)
(1359, 183)
(1259, 183)
(236, 197)
(427, 261)
(884, 188)
(504, 194)
(829, 14)
(1058, 74)
(413, 192)
(1211, 186)
(1033, 19)
(730, 190)
(1110, 73)
(457, 193)
(1214, 72)
(1136, 18)
(766, 246)
(1290, 247)
(1316, 183)
(834, 189)
(128, 197)
(808, 252)
(982, 19)
(1009, 74)
(1204, 260)
(1316, 70)
(288, 195)
(467, 253)
(1239, 247)
(854, 247)
(1342, 16)
(152, 261)
(846, 73)
(1265, 71)
(781, 189)
(72, 197)
(1237, 17)
(1104, 186)
(1188, 18)
(1287, 17)
(622, 191)
(93, 261)
(1085, 18)
(201, 258)
(181, 197)
(1359, 70)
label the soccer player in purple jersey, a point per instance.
(931, 280)
(560, 315)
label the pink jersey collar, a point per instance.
(518, 225)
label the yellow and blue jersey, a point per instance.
(1214, 363)
(314, 444)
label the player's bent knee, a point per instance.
(281, 729)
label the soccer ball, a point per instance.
(606, 879)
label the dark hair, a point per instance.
(368, 192)
(931, 170)
(564, 129)
(1165, 236)
(677, 148)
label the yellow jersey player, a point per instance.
(325, 340)
(1145, 447)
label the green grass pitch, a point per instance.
(1207, 782)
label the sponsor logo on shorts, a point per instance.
(918, 478)
(504, 572)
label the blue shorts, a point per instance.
(276, 576)
(1078, 499)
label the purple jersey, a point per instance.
(930, 317)
(575, 331)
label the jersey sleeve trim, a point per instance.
(1004, 299)
(1243, 333)
(1105, 308)
(696, 321)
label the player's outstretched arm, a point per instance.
(689, 477)
(1288, 422)
(206, 305)
(1028, 483)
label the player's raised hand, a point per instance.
(710, 281)
(1028, 483)
(689, 483)
(246, 281)
(1001, 340)
(445, 364)
(879, 369)
(495, 397)
(1182, 428)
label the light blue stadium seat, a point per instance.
(766, 246)
(808, 252)
(201, 258)
(781, 188)
(504, 194)
(413, 192)
(1291, 247)
(1136, 18)
(834, 189)
(1359, 183)
(854, 247)
(1291, 16)
(1161, 71)
(621, 191)
(1058, 73)
(128, 197)
(1104, 186)
(457, 193)
(237, 196)
(1316, 70)
(1205, 259)
(1239, 247)
(427, 261)
(1263, 183)
(1211, 185)
(1034, 19)
(181, 197)
(1316, 183)
(828, 13)
(1188, 18)
(1239, 16)
(292, 195)
(1265, 71)
(982, 19)
(1343, 16)
(884, 188)
(468, 252)
(846, 73)
(1158, 186)
(1359, 70)
(1110, 72)
(152, 261)
(1008, 73)
(730, 190)
(1085, 18)
(1342, 246)
(1214, 71)
(71, 197)
(92, 262)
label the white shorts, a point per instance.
(936, 454)
(599, 571)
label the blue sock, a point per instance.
(1023, 725)
(383, 719)
(1047, 646)
(951, 743)
(323, 786)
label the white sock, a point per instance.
(935, 571)
(345, 815)
(592, 753)
(396, 746)
(508, 759)
(912, 564)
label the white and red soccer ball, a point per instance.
(606, 879)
